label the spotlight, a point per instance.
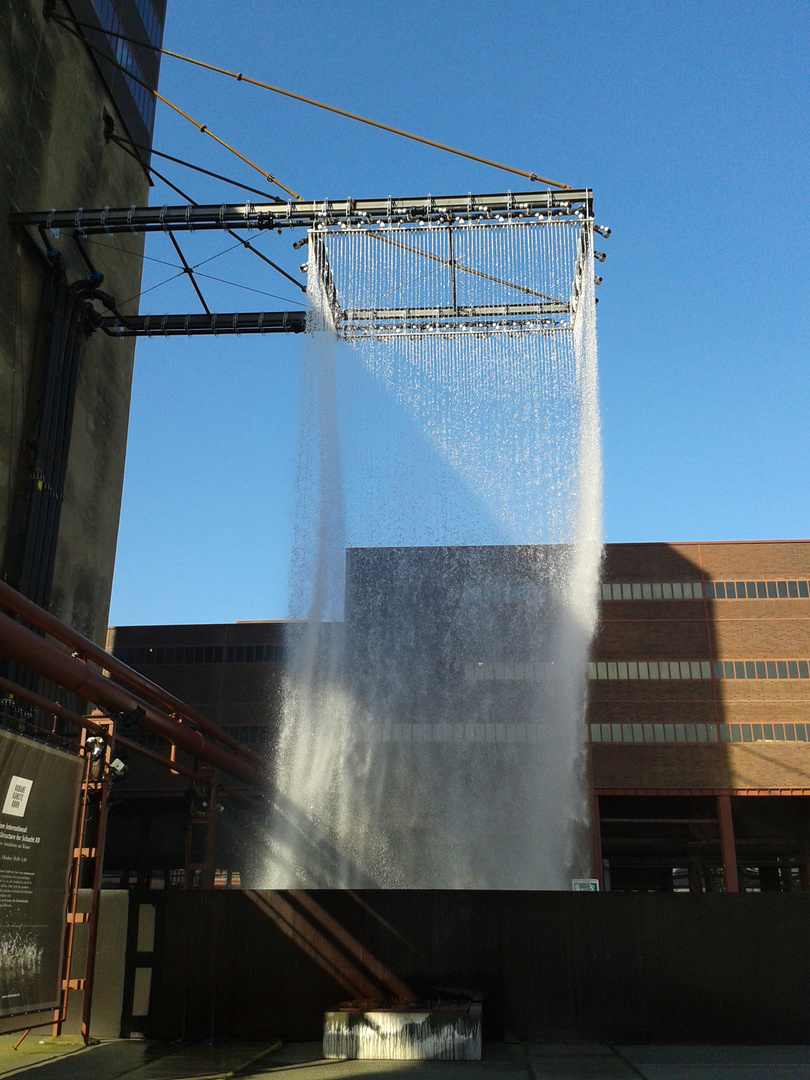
(303, 267)
(600, 256)
(300, 243)
(94, 747)
(603, 230)
(597, 280)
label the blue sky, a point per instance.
(689, 121)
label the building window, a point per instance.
(712, 590)
(698, 733)
(698, 669)
(200, 654)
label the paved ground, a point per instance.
(719, 1062)
(43, 1059)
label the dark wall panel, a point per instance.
(550, 965)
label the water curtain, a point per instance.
(448, 537)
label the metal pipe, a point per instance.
(179, 325)
(36, 616)
(55, 709)
(27, 648)
(299, 215)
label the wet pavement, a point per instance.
(120, 1059)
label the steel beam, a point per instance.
(25, 647)
(89, 650)
(304, 215)
(470, 311)
(349, 323)
(234, 322)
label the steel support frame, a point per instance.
(569, 205)
(88, 848)
(548, 205)
(182, 325)
(724, 819)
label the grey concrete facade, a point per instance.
(52, 105)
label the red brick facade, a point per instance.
(703, 629)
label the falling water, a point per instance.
(447, 545)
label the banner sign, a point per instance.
(39, 789)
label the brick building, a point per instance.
(697, 721)
(698, 715)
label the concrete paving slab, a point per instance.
(589, 1061)
(132, 1059)
(719, 1062)
(105, 1061)
(201, 1061)
(304, 1061)
(138, 1060)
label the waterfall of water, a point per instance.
(447, 546)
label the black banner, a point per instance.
(39, 789)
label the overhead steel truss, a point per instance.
(547, 316)
(304, 215)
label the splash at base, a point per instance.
(413, 1032)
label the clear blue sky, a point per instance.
(689, 121)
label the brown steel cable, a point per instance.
(240, 77)
(207, 131)
(202, 127)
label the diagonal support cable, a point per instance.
(183, 195)
(189, 165)
(190, 273)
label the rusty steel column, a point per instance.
(73, 916)
(597, 840)
(100, 789)
(727, 844)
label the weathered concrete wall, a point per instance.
(53, 154)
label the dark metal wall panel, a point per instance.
(551, 965)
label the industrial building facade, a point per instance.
(67, 81)
(697, 723)
(64, 385)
